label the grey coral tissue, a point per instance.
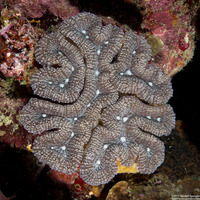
(98, 100)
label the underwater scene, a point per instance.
(97, 100)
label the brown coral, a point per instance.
(101, 103)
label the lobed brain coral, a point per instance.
(98, 101)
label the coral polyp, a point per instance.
(99, 101)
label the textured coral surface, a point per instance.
(101, 101)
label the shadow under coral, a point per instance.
(23, 178)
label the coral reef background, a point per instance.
(22, 177)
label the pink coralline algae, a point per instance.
(18, 37)
(158, 5)
(77, 186)
(170, 28)
(66, 178)
(36, 8)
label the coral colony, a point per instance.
(98, 101)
